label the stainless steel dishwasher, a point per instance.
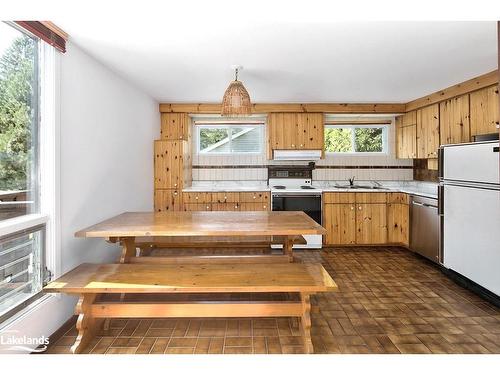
(425, 227)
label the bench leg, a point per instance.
(128, 250)
(306, 323)
(86, 324)
(287, 248)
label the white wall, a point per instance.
(106, 142)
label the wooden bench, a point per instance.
(294, 282)
(215, 244)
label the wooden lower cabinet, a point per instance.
(226, 201)
(371, 223)
(167, 200)
(381, 218)
(339, 220)
(398, 223)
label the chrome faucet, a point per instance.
(351, 181)
(376, 183)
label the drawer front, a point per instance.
(371, 197)
(257, 196)
(197, 206)
(397, 198)
(339, 197)
(228, 206)
(224, 197)
(197, 197)
(254, 206)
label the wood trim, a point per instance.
(363, 122)
(389, 108)
(196, 309)
(56, 29)
(40, 30)
(204, 259)
(474, 84)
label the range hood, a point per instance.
(297, 155)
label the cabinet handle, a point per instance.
(359, 208)
(264, 206)
(236, 206)
(175, 185)
(293, 145)
(352, 208)
(254, 197)
(196, 198)
(225, 197)
(180, 137)
(208, 207)
(301, 145)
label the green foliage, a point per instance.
(365, 139)
(338, 140)
(17, 75)
(210, 136)
(368, 139)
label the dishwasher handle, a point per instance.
(424, 205)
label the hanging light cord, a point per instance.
(236, 74)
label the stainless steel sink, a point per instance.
(370, 187)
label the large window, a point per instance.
(359, 139)
(22, 227)
(18, 123)
(229, 138)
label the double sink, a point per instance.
(354, 187)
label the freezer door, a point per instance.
(471, 234)
(473, 162)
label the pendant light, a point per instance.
(236, 101)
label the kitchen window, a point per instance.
(26, 69)
(219, 137)
(356, 139)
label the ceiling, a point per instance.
(186, 59)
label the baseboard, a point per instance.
(472, 286)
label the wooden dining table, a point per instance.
(127, 226)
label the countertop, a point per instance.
(424, 189)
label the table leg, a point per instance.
(86, 324)
(306, 322)
(128, 249)
(287, 247)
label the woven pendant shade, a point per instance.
(236, 101)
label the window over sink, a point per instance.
(356, 139)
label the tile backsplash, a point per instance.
(334, 167)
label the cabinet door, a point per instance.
(168, 165)
(310, 134)
(339, 221)
(428, 132)
(454, 124)
(275, 127)
(175, 126)
(167, 200)
(371, 224)
(409, 119)
(484, 112)
(406, 137)
(397, 223)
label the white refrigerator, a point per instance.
(470, 209)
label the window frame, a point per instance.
(201, 124)
(385, 138)
(47, 217)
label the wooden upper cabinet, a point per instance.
(295, 131)
(172, 164)
(406, 136)
(454, 126)
(428, 132)
(175, 126)
(484, 111)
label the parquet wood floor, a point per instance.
(389, 301)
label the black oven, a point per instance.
(308, 203)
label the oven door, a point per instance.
(308, 203)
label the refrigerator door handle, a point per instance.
(441, 163)
(441, 200)
(496, 149)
